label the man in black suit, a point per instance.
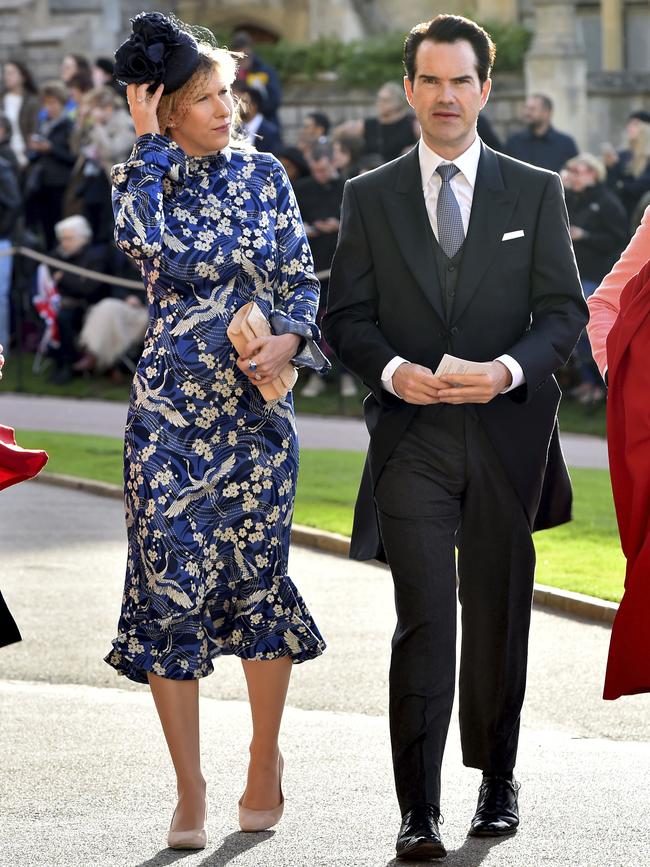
(456, 249)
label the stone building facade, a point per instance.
(591, 56)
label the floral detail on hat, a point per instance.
(158, 50)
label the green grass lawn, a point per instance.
(19, 376)
(583, 556)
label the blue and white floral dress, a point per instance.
(210, 467)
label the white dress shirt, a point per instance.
(462, 185)
(252, 128)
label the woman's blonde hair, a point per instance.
(178, 103)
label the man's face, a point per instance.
(322, 170)
(535, 113)
(310, 131)
(447, 95)
(387, 104)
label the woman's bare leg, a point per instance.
(267, 681)
(177, 703)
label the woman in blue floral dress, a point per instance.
(210, 467)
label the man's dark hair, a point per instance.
(321, 120)
(546, 101)
(254, 95)
(451, 28)
(321, 151)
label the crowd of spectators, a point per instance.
(59, 141)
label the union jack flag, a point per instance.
(46, 303)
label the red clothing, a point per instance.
(628, 432)
(17, 464)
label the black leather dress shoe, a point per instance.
(419, 837)
(497, 812)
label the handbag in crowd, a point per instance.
(248, 323)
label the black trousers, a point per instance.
(443, 487)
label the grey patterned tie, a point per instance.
(450, 223)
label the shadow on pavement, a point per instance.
(471, 854)
(233, 845)
(166, 856)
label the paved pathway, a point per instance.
(85, 776)
(316, 432)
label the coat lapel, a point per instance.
(492, 206)
(408, 218)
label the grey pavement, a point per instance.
(85, 775)
(316, 432)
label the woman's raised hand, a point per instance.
(143, 106)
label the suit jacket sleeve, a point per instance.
(350, 324)
(558, 308)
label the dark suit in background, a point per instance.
(480, 475)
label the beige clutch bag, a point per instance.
(247, 323)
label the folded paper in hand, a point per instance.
(450, 365)
(248, 323)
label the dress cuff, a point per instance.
(309, 353)
(387, 374)
(149, 150)
(516, 371)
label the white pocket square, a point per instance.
(510, 235)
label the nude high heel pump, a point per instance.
(262, 820)
(197, 838)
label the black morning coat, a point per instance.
(521, 296)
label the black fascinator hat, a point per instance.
(158, 50)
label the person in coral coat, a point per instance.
(16, 464)
(619, 330)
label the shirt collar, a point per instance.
(254, 125)
(467, 162)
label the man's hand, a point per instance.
(268, 356)
(417, 384)
(2, 360)
(475, 387)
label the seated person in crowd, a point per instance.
(115, 326)
(628, 170)
(599, 233)
(540, 144)
(393, 131)
(75, 246)
(262, 134)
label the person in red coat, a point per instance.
(16, 464)
(628, 431)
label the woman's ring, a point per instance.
(258, 377)
(140, 99)
(252, 365)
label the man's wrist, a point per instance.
(504, 374)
